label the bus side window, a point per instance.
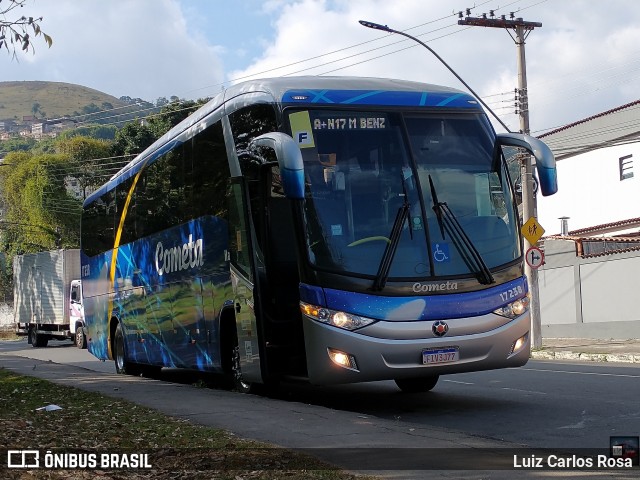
(209, 176)
(97, 228)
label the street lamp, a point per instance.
(385, 28)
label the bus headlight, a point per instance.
(519, 343)
(336, 318)
(514, 309)
(343, 359)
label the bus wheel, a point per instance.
(37, 339)
(81, 339)
(123, 367)
(417, 385)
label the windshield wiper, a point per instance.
(470, 254)
(436, 206)
(390, 250)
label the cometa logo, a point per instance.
(175, 259)
(434, 287)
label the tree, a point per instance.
(40, 215)
(14, 34)
(17, 144)
(136, 136)
(99, 132)
(89, 161)
(172, 114)
(133, 138)
(91, 108)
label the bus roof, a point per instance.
(304, 91)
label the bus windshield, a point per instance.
(363, 167)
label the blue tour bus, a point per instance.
(329, 229)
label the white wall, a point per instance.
(590, 191)
(588, 297)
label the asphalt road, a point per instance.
(552, 404)
(545, 404)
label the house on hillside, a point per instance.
(39, 130)
(58, 125)
(7, 126)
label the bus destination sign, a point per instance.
(350, 123)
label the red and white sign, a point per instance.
(534, 257)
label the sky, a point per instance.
(585, 59)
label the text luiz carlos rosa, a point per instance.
(572, 461)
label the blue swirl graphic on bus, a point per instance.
(167, 291)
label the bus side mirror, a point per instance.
(545, 161)
(289, 160)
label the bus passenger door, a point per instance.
(243, 282)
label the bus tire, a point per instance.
(81, 338)
(123, 366)
(37, 339)
(417, 385)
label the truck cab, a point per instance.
(76, 314)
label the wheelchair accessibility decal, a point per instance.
(441, 252)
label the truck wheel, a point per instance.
(37, 339)
(81, 338)
(417, 385)
(123, 366)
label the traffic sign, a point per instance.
(534, 257)
(532, 231)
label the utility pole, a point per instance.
(521, 31)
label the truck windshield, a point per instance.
(362, 167)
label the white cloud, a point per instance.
(577, 63)
(584, 60)
(140, 49)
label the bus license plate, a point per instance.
(440, 355)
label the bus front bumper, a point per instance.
(371, 358)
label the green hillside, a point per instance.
(56, 99)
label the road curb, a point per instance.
(587, 357)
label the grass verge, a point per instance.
(8, 333)
(89, 422)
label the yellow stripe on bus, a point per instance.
(114, 257)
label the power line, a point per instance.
(333, 52)
(115, 123)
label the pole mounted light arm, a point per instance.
(385, 28)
